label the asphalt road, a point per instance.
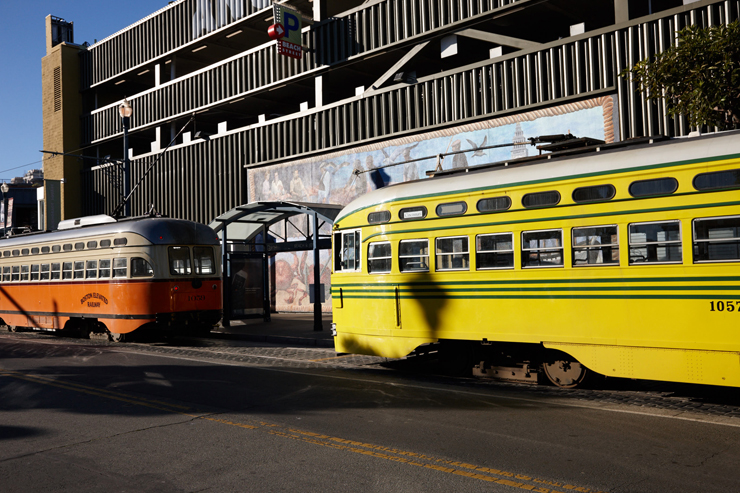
(94, 416)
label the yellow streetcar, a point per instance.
(624, 261)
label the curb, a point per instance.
(300, 341)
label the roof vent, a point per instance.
(85, 221)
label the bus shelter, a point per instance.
(251, 233)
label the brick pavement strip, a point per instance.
(662, 396)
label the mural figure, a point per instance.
(297, 190)
(410, 170)
(278, 190)
(266, 187)
(327, 171)
(458, 160)
(476, 147)
(379, 177)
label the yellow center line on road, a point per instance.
(377, 451)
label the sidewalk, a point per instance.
(284, 328)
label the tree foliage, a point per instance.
(698, 77)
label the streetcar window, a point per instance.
(718, 180)
(413, 213)
(45, 249)
(34, 251)
(494, 251)
(119, 267)
(452, 253)
(6, 253)
(452, 209)
(44, 272)
(595, 245)
(494, 204)
(595, 193)
(542, 248)
(67, 270)
(179, 260)
(16, 273)
(104, 243)
(91, 269)
(658, 242)
(379, 217)
(67, 247)
(24, 251)
(541, 199)
(24, 272)
(717, 239)
(379, 257)
(104, 267)
(120, 241)
(35, 272)
(656, 186)
(6, 273)
(16, 253)
(203, 260)
(56, 270)
(92, 244)
(56, 248)
(141, 268)
(413, 255)
(347, 251)
(79, 269)
(80, 245)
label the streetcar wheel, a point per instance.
(12, 328)
(115, 337)
(565, 373)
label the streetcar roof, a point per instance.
(157, 230)
(526, 171)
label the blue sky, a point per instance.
(24, 44)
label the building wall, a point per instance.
(62, 107)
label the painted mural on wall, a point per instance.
(332, 178)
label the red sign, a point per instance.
(290, 49)
(276, 31)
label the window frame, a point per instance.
(587, 248)
(678, 242)
(465, 254)
(401, 257)
(662, 194)
(339, 254)
(495, 252)
(694, 240)
(525, 252)
(370, 258)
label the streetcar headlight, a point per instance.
(214, 286)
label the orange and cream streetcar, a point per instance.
(101, 277)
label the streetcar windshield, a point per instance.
(179, 260)
(203, 260)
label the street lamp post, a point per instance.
(126, 111)
(4, 188)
